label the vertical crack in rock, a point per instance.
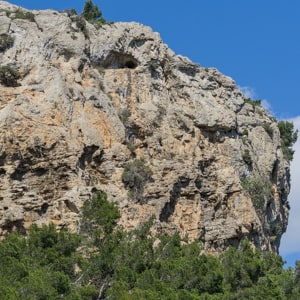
(169, 207)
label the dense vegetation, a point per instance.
(288, 138)
(103, 261)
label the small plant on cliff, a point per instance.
(6, 41)
(81, 25)
(25, 15)
(9, 75)
(153, 64)
(124, 115)
(288, 138)
(100, 69)
(247, 157)
(245, 132)
(259, 189)
(253, 102)
(267, 127)
(135, 176)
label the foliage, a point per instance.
(6, 41)
(81, 25)
(247, 157)
(124, 115)
(99, 216)
(153, 64)
(25, 15)
(100, 69)
(241, 268)
(135, 176)
(40, 266)
(92, 13)
(245, 132)
(129, 266)
(288, 138)
(253, 102)
(267, 127)
(135, 265)
(259, 189)
(9, 75)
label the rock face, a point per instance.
(90, 101)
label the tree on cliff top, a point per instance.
(92, 13)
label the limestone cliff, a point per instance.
(91, 100)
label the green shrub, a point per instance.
(245, 131)
(9, 75)
(135, 176)
(253, 102)
(288, 138)
(153, 64)
(25, 15)
(81, 25)
(100, 69)
(124, 115)
(6, 41)
(131, 147)
(259, 189)
(247, 157)
(268, 129)
(99, 216)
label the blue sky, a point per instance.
(255, 42)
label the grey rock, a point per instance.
(88, 102)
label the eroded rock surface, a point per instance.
(91, 100)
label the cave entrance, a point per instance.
(130, 65)
(117, 60)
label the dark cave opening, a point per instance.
(130, 65)
(117, 60)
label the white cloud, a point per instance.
(290, 242)
(265, 104)
(248, 91)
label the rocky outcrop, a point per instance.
(90, 101)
